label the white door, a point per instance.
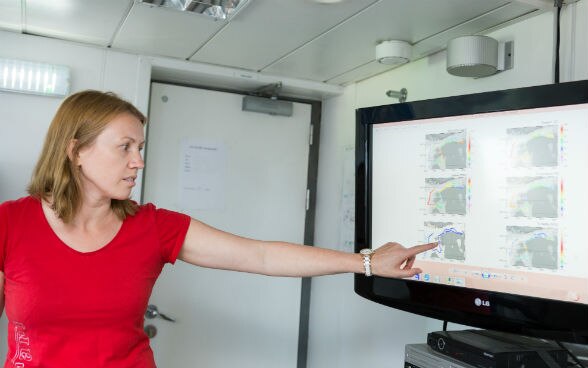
(245, 173)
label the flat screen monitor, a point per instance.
(500, 181)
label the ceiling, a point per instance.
(302, 39)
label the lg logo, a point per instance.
(479, 302)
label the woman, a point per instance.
(78, 258)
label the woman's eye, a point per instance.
(125, 146)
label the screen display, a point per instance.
(504, 194)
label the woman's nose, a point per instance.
(137, 161)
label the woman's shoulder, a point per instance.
(145, 208)
(150, 210)
(18, 210)
(151, 207)
(145, 211)
(19, 204)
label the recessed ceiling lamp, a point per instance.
(217, 9)
(393, 52)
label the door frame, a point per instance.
(311, 184)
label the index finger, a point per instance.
(421, 248)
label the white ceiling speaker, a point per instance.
(478, 56)
(393, 52)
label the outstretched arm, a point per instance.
(209, 247)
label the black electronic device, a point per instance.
(422, 356)
(498, 179)
(491, 349)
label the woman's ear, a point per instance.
(72, 152)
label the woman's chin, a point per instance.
(121, 196)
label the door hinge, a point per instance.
(307, 199)
(311, 134)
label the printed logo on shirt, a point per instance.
(22, 354)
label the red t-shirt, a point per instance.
(71, 309)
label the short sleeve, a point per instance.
(171, 228)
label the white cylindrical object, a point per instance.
(472, 56)
(393, 52)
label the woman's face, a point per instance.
(110, 165)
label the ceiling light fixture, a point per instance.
(34, 78)
(393, 52)
(217, 9)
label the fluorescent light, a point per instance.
(216, 9)
(34, 78)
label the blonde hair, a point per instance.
(81, 117)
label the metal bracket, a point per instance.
(270, 91)
(400, 95)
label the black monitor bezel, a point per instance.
(521, 314)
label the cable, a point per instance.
(558, 4)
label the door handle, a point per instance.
(153, 312)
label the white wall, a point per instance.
(345, 329)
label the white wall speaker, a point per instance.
(477, 56)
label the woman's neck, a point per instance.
(90, 214)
